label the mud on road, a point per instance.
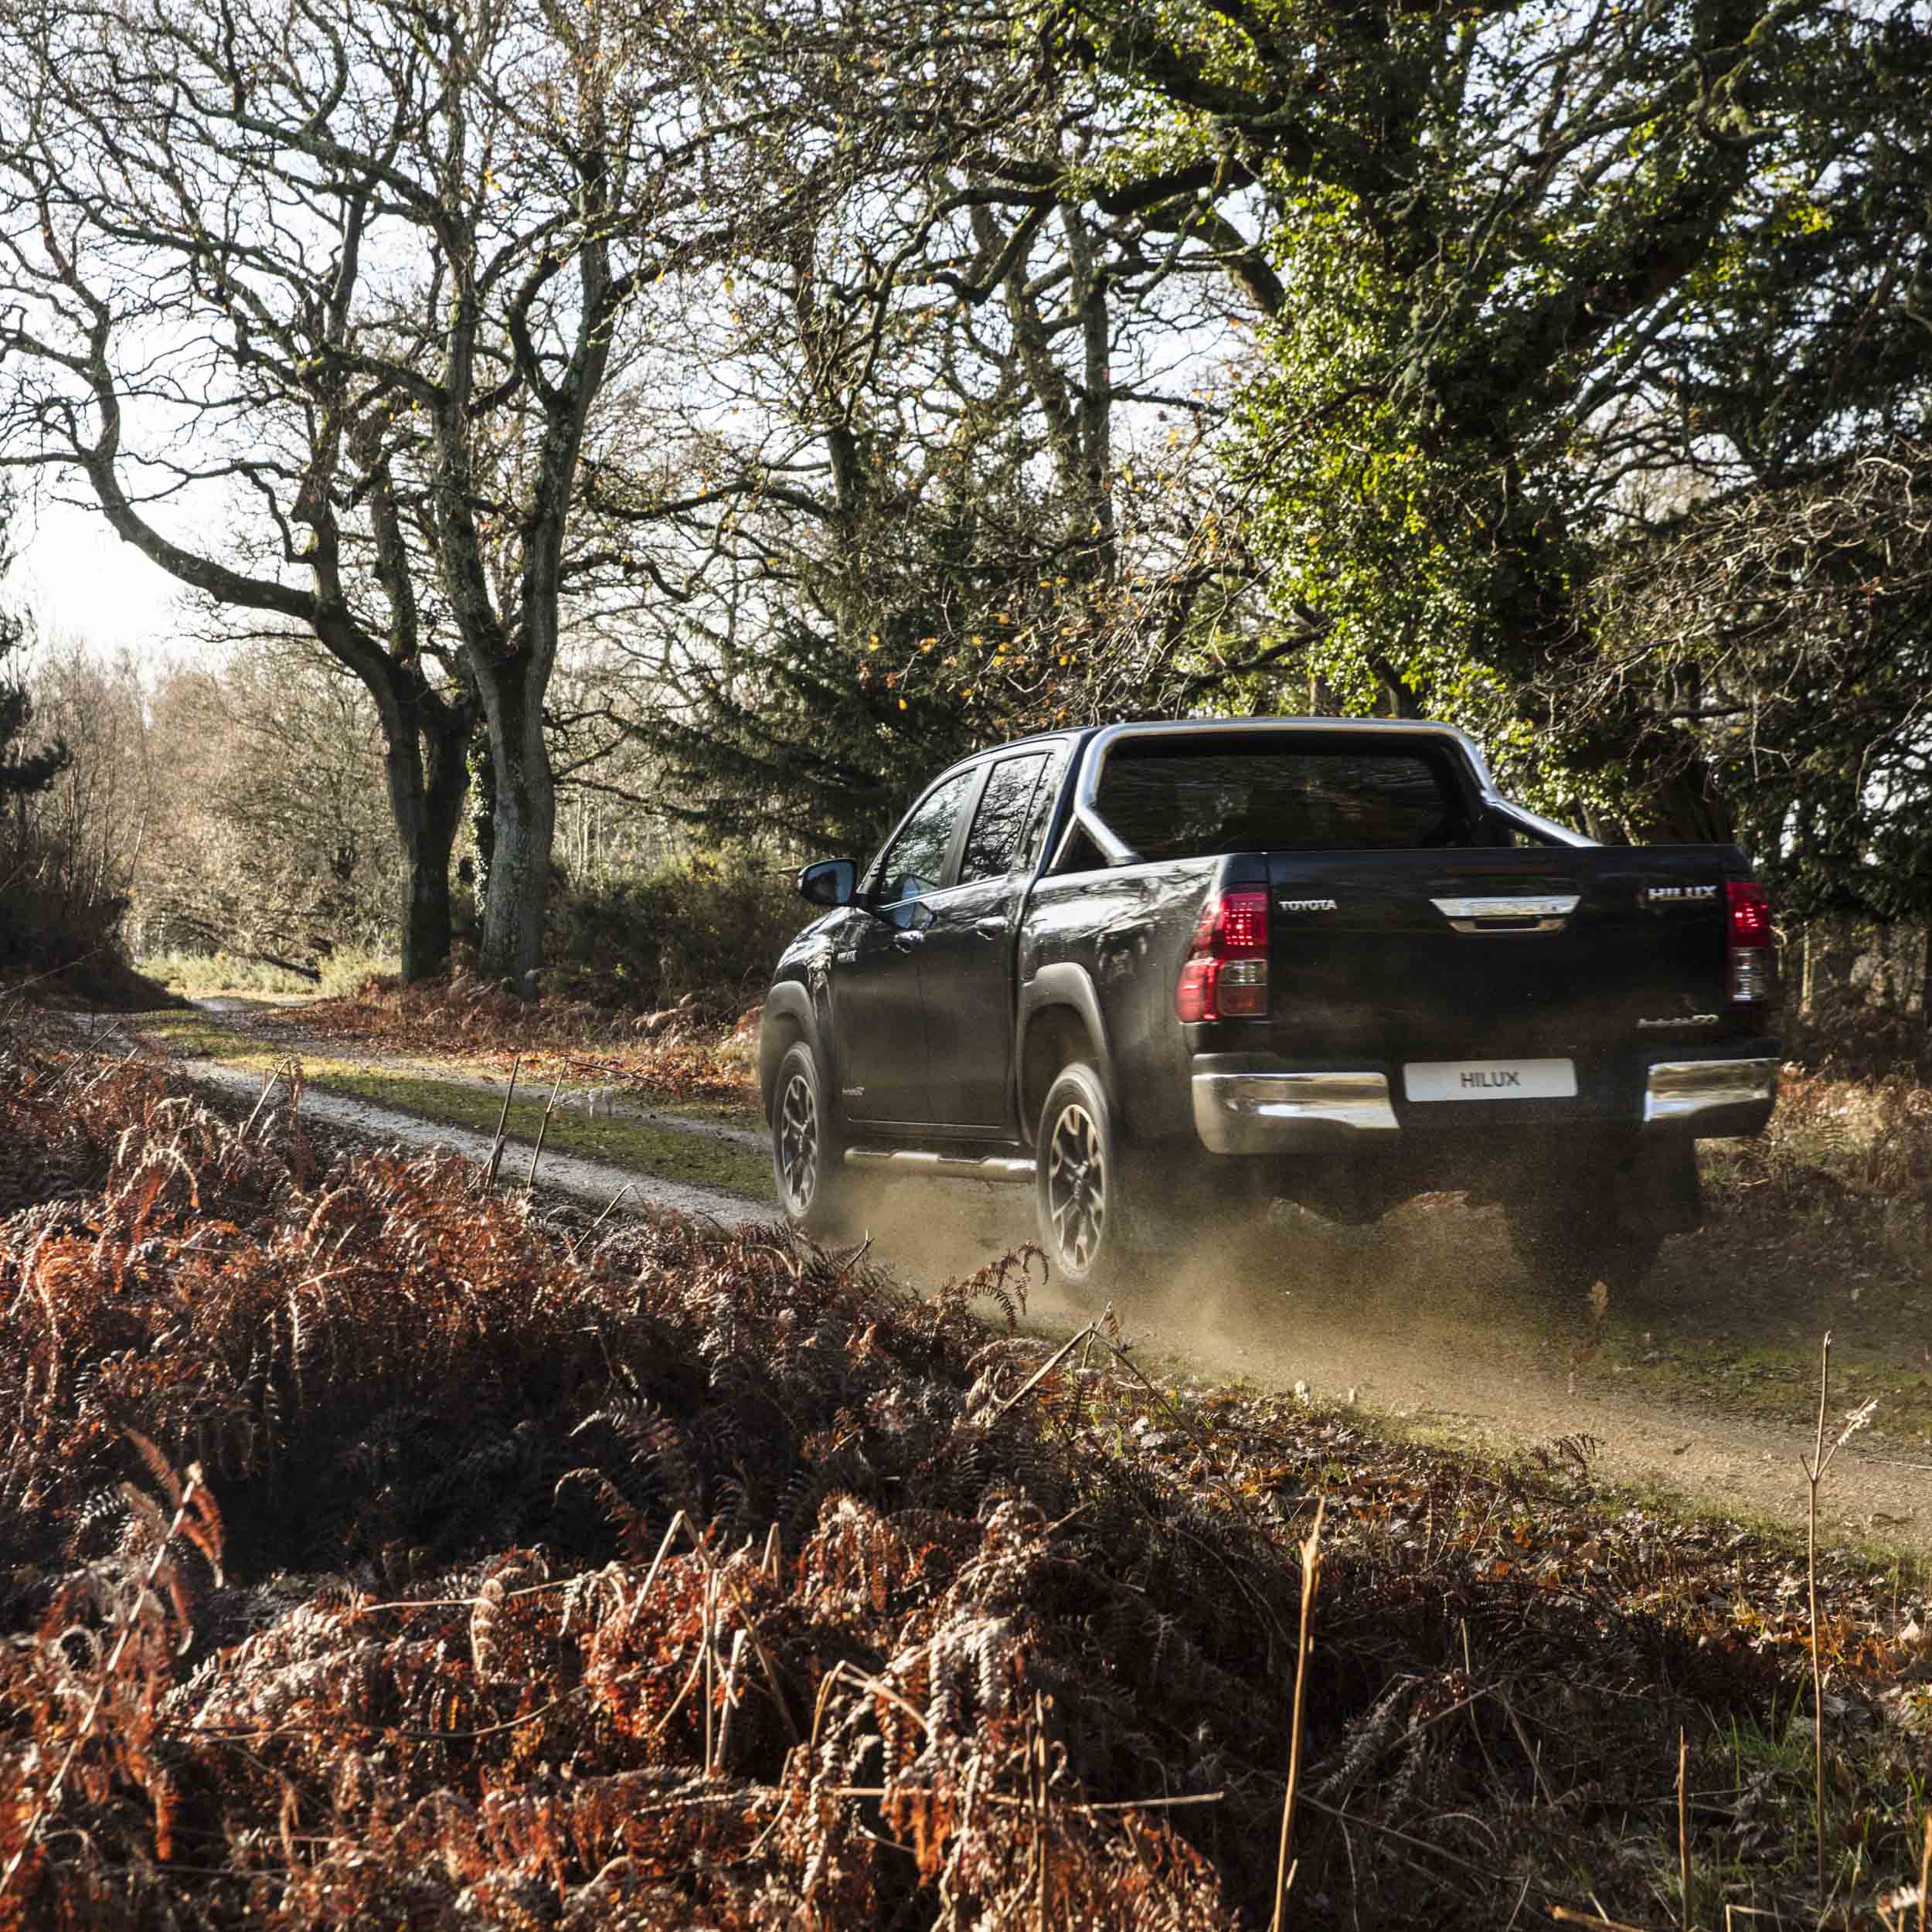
(1426, 1319)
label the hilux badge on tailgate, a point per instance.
(1309, 906)
(1677, 895)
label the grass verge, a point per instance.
(695, 1061)
(621, 1140)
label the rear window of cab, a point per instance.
(1187, 798)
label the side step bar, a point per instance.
(943, 1167)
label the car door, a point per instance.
(966, 958)
(877, 1015)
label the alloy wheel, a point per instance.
(1076, 1186)
(798, 1145)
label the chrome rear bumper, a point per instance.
(1677, 1089)
(1251, 1110)
(1265, 1113)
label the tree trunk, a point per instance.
(427, 779)
(526, 823)
(1925, 993)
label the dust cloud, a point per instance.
(1409, 1312)
(1425, 1317)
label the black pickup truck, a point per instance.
(1161, 972)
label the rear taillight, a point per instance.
(1226, 974)
(1750, 943)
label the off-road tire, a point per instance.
(819, 1194)
(1607, 1225)
(1095, 1201)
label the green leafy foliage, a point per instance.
(1537, 281)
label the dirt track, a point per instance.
(1428, 1318)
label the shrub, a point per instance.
(709, 926)
(343, 973)
(47, 926)
(60, 929)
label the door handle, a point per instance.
(909, 940)
(990, 928)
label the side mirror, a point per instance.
(832, 881)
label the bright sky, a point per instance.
(80, 581)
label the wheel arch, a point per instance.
(788, 1018)
(1059, 1022)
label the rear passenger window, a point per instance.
(1045, 796)
(1174, 799)
(994, 841)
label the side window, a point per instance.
(1045, 799)
(916, 859)
(995, 839)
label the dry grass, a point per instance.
(697, 1052)
(1872, 1136)
(706, 1580)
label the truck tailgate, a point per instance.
(1475, 953)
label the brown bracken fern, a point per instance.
(382, 1556)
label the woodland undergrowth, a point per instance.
(379, 1553)
(704, 1051)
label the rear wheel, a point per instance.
(816, 1189)
(1609, 1220)
(1094, 1202)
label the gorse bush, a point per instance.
(342, 972)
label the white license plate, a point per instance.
(1490, 1079)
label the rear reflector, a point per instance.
(1225, 976)
(1750, 943)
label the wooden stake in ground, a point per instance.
(1311, 1577)
(502, 1128)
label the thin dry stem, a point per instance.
(1814, 1476)
(542, 1131)
(502, 1128)
(1310, 1579)
(1683, 1833)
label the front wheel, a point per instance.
(1093, 1202)
(814, 1187)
